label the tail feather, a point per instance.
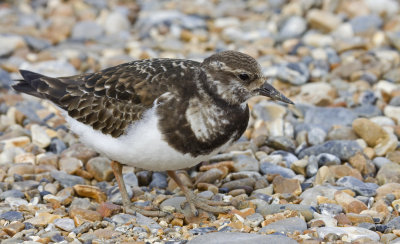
(41, 86)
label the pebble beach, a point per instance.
(325, 170)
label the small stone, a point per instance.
(21, 169)
(210, 176)
(106, 209)
(90, 191)
(316, 136)
(388, 173)
(293, 27)
(12, 216)
(254, 220)
(359, 218)
(66, 224)
(20, 141)
(25, 158)
(283, 185)
(349, 204)
(267, 168)
(86, 30)
(267, 209)
(39, 136)
(389, 188)
(288, 225)
(159, 180)
(323, 20)
(343, 149)
(82, 215)
(67, 180)
(330, 209)
(294, 73)
(239, 184)
(100, 168)
(353, 233)
(369, 131)
(13, 228)
(239, 238)
(11, 193)
(70, 165)
(394, 223)
(42, 219)
(327, 159)
(364, 189)
(245, 163)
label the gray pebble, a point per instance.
(67, 180)
(288, 225)
(240, 238)
(364, 189)
(269, 168)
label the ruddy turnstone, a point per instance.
(158, 114)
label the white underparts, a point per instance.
(141, 147)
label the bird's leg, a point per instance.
(199, 202)
(126, 202)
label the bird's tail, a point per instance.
(40, 85)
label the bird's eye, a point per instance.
(244, 77)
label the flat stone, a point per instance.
(66, 224)
(369, 131)
(11, 193)
(284, 185)
(388, 173)
(342, 149)
(100, 168)
(352, 233)
(85, 214)
(245, 163)
(13, 228)
(70, 165)
(349, 203)
(288, 225)
(323, 20)
(42, 219)
(267, 168)
(90, 191)
(12, 216)
(39, 136)
(364, 189)
(239, 238)
(304, 210)
(67, 180)
(86, 30)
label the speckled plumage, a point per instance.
(200, 106)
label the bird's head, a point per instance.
(236, 77)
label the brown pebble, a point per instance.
(85, 214)
(349, 203)
(90, 191)
(342, 220)
(284, 185)
(210, 176)
(177, 222)
(236, 192)
(106, 209)
(100, 168)
(359, 218)
(14, 228)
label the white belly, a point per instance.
(141, 147)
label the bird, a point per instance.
(158, 114)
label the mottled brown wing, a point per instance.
(110, 100)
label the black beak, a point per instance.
(269, 91)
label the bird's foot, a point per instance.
(131, 209)
(205, 204)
